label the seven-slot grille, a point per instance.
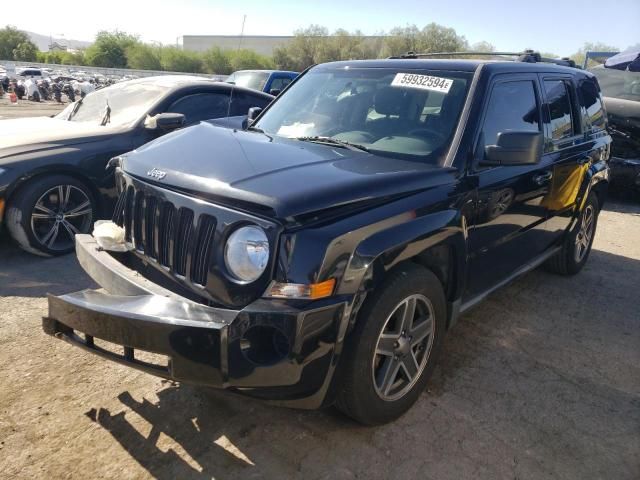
(171, 236)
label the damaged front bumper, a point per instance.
(276, 350)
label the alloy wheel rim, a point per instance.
(403, 347)
(585, 234)
(59, 214)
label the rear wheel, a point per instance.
(577, 244)
(393, 349)
(44, 216)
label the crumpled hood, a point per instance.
(289, 177)
(26, 134)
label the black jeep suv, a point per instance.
(320, 255)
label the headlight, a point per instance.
(247, 253)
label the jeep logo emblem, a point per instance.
(157, 174)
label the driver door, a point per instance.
(509, 228)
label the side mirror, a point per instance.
(515, 148)
(253, 114)
(275, 92)
(164, 121)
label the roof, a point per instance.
(173, 82)
(266, 71)
(170, 81)
(453, 64)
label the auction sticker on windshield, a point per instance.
(424, 82)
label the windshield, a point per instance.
(618, 83)
(254, 80)
(127, 102)
(409, 114)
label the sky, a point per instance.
(558, 26)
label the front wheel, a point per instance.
(393, 349)
(577, 244)
(44, 216)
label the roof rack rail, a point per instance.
(527, 56)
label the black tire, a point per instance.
(30, 232)
(359, 394)
(572, 258)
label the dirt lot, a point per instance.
(25, 108)
(542, 380)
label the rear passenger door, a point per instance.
(566, 148)
(509, 228)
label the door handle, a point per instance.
(543, 178)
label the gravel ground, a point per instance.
(26, 108)
(542, 380)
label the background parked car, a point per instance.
(271, 81)
(619, 79)
(53, 177)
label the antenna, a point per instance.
(233, 85)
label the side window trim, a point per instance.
(493, 82)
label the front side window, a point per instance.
(402, 113)
(201, 106)
(513, 106)
(560, 112)
(243, 101)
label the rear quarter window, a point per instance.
(593, 117)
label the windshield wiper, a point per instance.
(76, 107)
(107, 115)
(334, 142)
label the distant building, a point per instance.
(57, 47)
(262, 44)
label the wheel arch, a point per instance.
(62, 169)
(436, 242)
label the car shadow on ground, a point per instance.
(513, 371)
(620, 204)
(25, 275)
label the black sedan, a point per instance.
(53, 177)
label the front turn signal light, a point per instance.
(311, 291)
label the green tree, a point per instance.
(26, 52)
(216, 60)
(402, 40)
(143, 57)
(73, 58)
(109, 49)
(437, 38)
(248, 60)
(16, 45)
(175, 60)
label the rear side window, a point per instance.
(559, 101)
(512, 106)
(591, 103)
